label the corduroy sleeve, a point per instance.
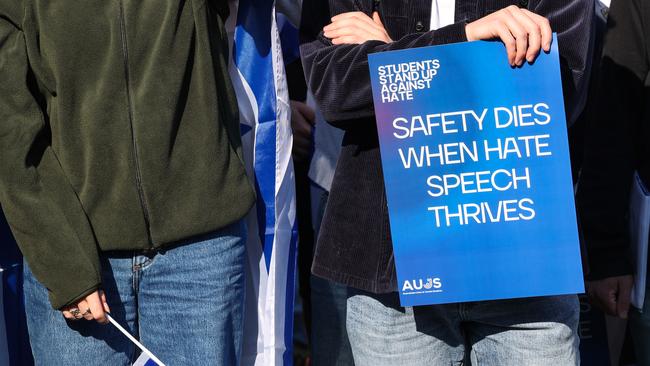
(41, 206)
(339, 76)
(573, 21)
(611, 143)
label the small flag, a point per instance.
(146, 358)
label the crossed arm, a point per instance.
(523, 32)
(336, 65)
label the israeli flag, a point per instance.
(146, 357)
(259, 78)
(4, 350)
(145, 360)
(14, 342)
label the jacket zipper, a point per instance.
(136, 161)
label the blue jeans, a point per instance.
(330, 344)
(532, 331)
(329, 339)
(184, 303)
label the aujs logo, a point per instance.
(422, 284)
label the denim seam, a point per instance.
(136, 273)
(135, 283)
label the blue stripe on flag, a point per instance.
(14, 316)
(12, 299)
(290, 39)
(289, 300)
(254, 58)
(145, 360)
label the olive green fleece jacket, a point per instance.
(118, 131)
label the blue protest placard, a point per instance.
(476, 165)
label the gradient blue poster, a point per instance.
(476, 164)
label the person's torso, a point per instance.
(140, 114)
(355, 246)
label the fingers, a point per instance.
(96, 306)
(84, 310)
(612, 294)
(348, 40)
(341, 26)
(68, 315)
(533, 33)
(300, 126)
(528, 33)
(355, 28)
(353, 15)
(301, 149)
(104, 302)
(605, 298)
(306, 111)
(624, 292)
(377, 20)
(77, 312)
(93, 307)
(356, 31)
(544, 27)
(357, 18)
(509, 41)
(301, 123)
(608, 302)
(521, 37)
(351, 35)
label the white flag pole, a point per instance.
(135, 341)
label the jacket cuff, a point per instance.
(66, 297)
(608, 263)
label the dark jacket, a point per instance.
(618, 139)
(354, 247)
(118, 131)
